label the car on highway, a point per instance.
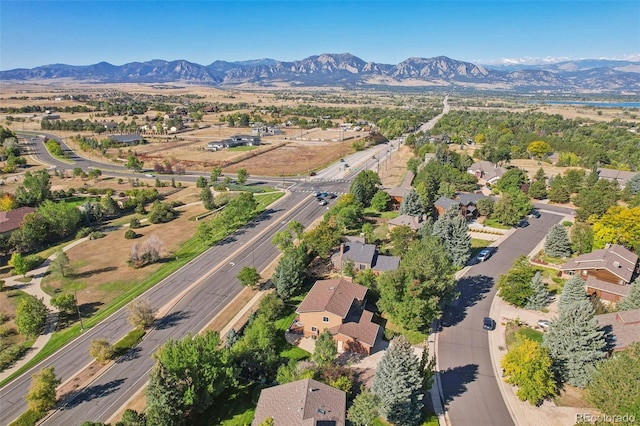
(488, 324)
(149, 175)
(484, 254)
(323, 202)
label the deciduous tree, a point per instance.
(141, 314)
(42, 393)
(614, 387)
(381, 201)
(65, 302)
(528, 366)
(101, 350)
(581, 238)
(365, 186)
(61, 263)
(249, 276)
(31, 315)
(325, 351)
(243, 175)
(207, 198)
(515, 286)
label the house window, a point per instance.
(325, 319)
(363, 267)
(314, 329)
(571, 272)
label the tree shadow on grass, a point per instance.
(88, 309)
(171, 320)
(88, 274)
(454, 381)
(472, 290)
(76, 398)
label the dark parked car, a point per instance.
(523, 223)
(488, 324)
(535, 213)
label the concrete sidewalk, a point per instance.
(34, 288)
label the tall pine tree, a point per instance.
(632, 300)
(540, 297)
(557, 243)
(452, 229)
(576, 343)
(412, 204)
(398, 384)
(572, 292)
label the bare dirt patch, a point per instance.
(394, 170)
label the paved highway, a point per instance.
(469, 384)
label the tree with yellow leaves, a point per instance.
(619, 225)
(528, 366)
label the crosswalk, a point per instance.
(313, 191)
(331, 180)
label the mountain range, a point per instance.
(348, 70)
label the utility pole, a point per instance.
(75, 293)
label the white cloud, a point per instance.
(529, 60)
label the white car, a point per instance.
(484, 255)
(150, 175)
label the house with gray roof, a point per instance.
(304, 402)
(413, 222)
(607, 272)
(486, 171)
(620, 176)
(364, 256)
(131, 139)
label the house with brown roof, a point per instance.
(12, 219)
(339, 306)
(607, 272)
(623, 327)
(466, 202)
(364, 256)
(302, 403)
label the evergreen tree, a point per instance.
(558, 192)
(452, 229)
(289, 275)
(576, 343)
(540, 297)
(572, 292)
(633, 186)
(325, 351)
(412, 204)
(164, 399)
(538, 190)
(364, 410)
(398, 384)
(557, 243)
(632, 300)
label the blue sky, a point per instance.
(80, 32)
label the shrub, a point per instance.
(135, 223)
(96, 235)
(567, 223)
(83, 232)
(101, 350)
(130, 234)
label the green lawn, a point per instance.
(495, 224)
(414, 337)
(528, 332)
